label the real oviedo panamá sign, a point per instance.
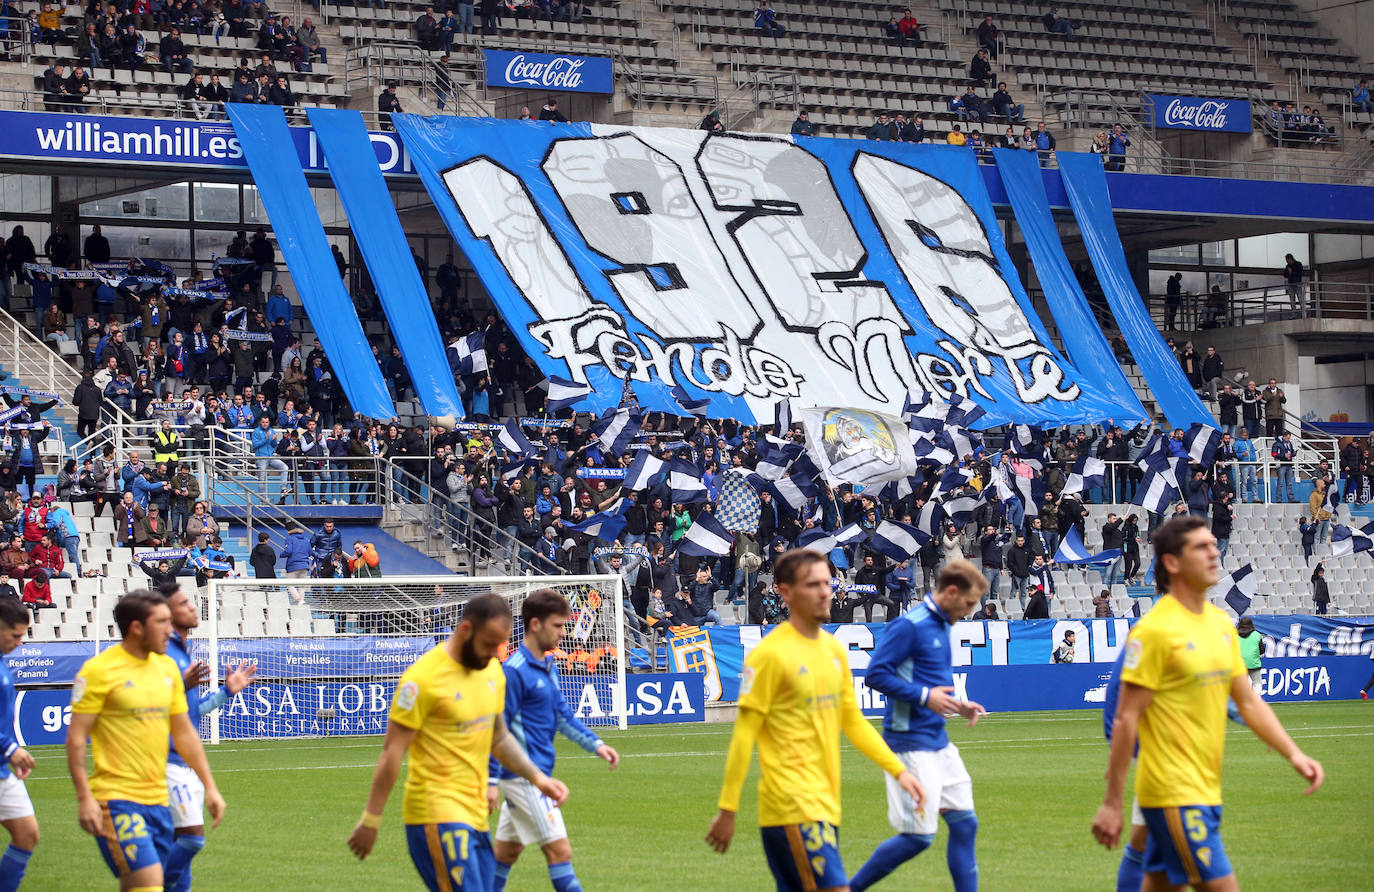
(544, 71)
(1200, 113)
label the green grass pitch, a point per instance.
(1037, 782)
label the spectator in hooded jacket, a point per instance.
(295, 557)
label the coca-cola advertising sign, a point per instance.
(1201, 113)
(548, 72)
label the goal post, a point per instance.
(329, 652)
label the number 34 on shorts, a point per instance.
(804, 857)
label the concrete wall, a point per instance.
(1350, 20)
(1338, 387)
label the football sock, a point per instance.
(499, 878)
(1369, 684)
(177, 869)
(1131, 875)
(893, 853)
(563, 878)
(12, 867)
(959, 854)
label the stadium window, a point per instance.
(253, 211)
(1219, 253)
(217, 203)
(1334, 247)
(172, 202)
(168, 244)
(1269, 250)
(26, 193)
(1175, 254)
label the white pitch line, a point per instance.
(1055, 743)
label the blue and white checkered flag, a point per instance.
(1239, 589)
(1155, 492)
(468, 356)
(1087, 473)
(1201, 443)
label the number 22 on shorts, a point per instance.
(129, 827)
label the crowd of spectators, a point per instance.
(149, 348)
(114, 36)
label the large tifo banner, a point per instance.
(1007, 665)
(750, 268)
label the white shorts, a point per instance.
(947, 784)
(528, 816)
(186, 794)
(14, 799)
(1137, 816)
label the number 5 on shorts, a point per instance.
(1195, 825)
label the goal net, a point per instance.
(329, 652)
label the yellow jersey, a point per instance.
(133, 701)
(454, 709)
(804, 689)
(1188, 660)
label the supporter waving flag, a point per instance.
(897, 541)
(564, 393)
(616, 429)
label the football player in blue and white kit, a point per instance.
(184, 789)
(535, 712)
(16, 811)
(913, 667)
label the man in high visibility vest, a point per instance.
(165, 443)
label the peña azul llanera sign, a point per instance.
(1199, 113)
(543, 71)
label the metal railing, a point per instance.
(128, 435)
(428, 520)
(374, 64)
(1253, 481)
(35, 363)
(258, 512)
(1248, 306)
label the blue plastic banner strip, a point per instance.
(1086, 185)
(365, 197)
(263, 133)
(1078, 330)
